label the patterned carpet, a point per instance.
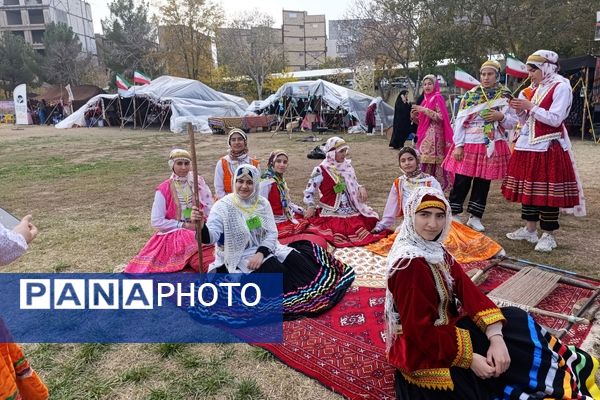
(344, 349)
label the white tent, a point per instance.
(335, 96)
(191, 101)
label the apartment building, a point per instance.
(28, 19)
(304, 40)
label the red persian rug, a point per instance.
(344, 348)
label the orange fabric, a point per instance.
(13, 365)
(228, 177)
(398, 186)
(465, 244)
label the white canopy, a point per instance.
(335, 96)
(191, 101)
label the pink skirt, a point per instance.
(477, 164)
(170, 253)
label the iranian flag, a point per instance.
(464, 80)
(139, 78)
(516, 68)
(122, 83)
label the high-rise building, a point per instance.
(28, 19)
(304, 40)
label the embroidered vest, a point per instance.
(329, 198)
(168, 192)
(538, 131)
(228, 173)
(275, 200)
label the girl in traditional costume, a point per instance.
(541, 173)
(243, 228)
(336, 203)
(237, 155)
(288, 216)
(173, 246)
(447, 340)
(434, 133)
(464, 243)
(480, 151)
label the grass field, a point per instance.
(91, 190)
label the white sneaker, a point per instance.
(523, 234)
(546, 243)
(456, 217)
(475, 223)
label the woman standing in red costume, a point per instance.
(448, 341)
(336, 203)
(288, 215)
(541, 173)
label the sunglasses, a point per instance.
(180, 163)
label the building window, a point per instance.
(20, 34)
(14, 18)
(301, 39)
(37, 36)
(292, 15)
(36, 16)
(11, 2)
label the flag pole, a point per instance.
(190, 130)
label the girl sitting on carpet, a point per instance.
(173, 246)
(273, 187)
(343, 216)
(464, 243)
(449, 341)
(237, 155)
(244, 230)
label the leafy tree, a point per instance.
(130, 39)
(251, 47)
(63, 62)
(185, 37)
(18, 62)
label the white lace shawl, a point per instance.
(228, 217)
(409, 245)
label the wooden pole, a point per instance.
(190, 130)
(584, 87)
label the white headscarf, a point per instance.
(409, 245)
(235, 212)
(547, 62)
(346, 170)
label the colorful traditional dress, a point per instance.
(342, 219)
(227, 165)
(486, 151)
(434, 135)
(313, 280)
(172, 247)
(541, 173)
(288, 216)
(437, 319)
(464, 243)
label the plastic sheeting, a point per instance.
(335, 96)
(191, 101)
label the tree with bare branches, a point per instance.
(250, 47)
(186, 33)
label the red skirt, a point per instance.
(347, 231)
(287, 228)
(541, 178)
(477, 164)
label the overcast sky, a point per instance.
(333, 9)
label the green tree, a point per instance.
(63, 62)
(130, 39)
(18, 62)
(186, 33)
